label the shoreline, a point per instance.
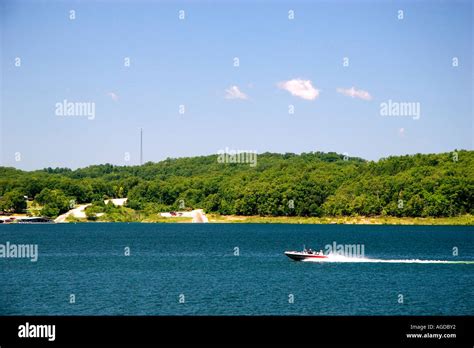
(464, 220)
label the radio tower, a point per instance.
(141, 146)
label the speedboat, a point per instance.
(305, 255)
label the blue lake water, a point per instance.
(198, 262)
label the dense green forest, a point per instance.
(310, 184)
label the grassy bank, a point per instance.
(358, 220)
(129, 215)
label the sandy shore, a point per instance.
(77, 212)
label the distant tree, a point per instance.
(13, 202)
(50, 211)
(54, 202)
(91, 215)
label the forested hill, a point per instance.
(310, 184)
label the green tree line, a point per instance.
(308, 184)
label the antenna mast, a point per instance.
(141, 146)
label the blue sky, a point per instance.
(189, 62)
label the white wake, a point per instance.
(341, 258)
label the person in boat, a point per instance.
(310, 251)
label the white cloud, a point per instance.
(355, 93)
(233, 92)
(113, 95)
(300, 88)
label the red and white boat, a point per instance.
(305, 254)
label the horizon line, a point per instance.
(242, 151)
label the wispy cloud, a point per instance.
(233, 92)
(355, 93)
(113, 96)
(300, 88)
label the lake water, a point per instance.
(196, 263)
